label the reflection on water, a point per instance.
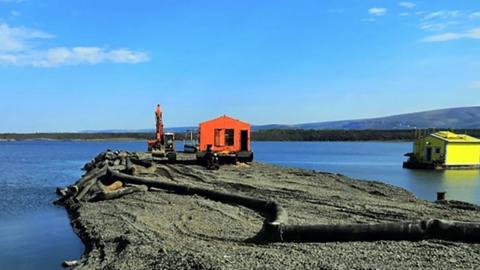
(461, 184)
(466, 176)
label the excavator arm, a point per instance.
(159, 135)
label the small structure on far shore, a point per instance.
(444, 150)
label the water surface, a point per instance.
(34, 234)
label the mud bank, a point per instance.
(159, 229)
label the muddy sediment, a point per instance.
(159, 229)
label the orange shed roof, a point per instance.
(224, 118)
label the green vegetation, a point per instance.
(262, 135)
(76, 136)
(332, 135)
(340, 135)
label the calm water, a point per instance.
(34, 234)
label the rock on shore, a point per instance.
(157, 229)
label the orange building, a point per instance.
(227, 137)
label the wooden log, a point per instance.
(89, 182)
(249, 202)
(120, 193)
(113, 187)
(100, 186)
(110, 155)
(72, 190)
(141, 162)
(69, 264)
(62, 191)
(118, 167)
(84, 190)
(129, 168)
(95, 173)
(117, 162)
(60, 201)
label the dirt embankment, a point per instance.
(158, 229)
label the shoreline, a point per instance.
(144, 140)
(256, 135)
(181, 228)
(281, 135)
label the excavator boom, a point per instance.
(164, 143)
(159, 135)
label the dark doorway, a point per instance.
(429, 154)
(244, 140)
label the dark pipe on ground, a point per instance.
(352, 232)
(401, 231)
(441, 196)
(249, 202)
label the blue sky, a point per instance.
(86, 65)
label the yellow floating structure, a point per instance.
(444, 150)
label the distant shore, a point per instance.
(75, 136)
(73, 140)
(262, 135)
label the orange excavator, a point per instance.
(164, 144)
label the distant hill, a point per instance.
(454, 118)
(274, 126)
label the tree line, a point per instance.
(261, 135)
(342, 135)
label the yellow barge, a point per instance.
(444, 150)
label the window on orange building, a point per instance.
(229, 137)
(218, 137)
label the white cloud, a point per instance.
(474, 85)
(15, 13)
(403, 14)
(435, 14)
(376, 11)
(441, 20)
(407, 4)
(428, 26)
(16, 48)
(62, 56)
(17, 38)
(472, 34)
(443, 37)
(443, 14)
(475, 15)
